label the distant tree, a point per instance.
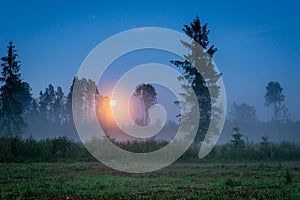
(92, 93)
(237, 141)
(147, 95)
(68, 105)
(15, 94)
(33, 118)
(51, 106)
(199, 33)
(266, 146)
(284, 114)
(84, 98)
(69, 123)
(275, 97)
(46, 104)
(59, 106)
(103, 110)
(243, 114)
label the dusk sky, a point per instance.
(257, 41)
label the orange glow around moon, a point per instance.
(108, 108)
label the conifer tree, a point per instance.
(14, 94)
(202, 61)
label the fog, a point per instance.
(52, 117)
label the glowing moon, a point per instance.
(113, 103)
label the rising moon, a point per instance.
(113, 103)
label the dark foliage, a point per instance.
(63, 149)
(148, 97)
(14, 94)
(16, 149)
(194, 67)
(274, 96)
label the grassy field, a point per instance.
(254, 181)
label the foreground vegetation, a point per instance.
(82, 180)
(60, 168)
(63, 149)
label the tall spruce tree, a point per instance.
(202, 61)
(14, 94)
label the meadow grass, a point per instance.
(264, 180)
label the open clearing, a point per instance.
(265, 180)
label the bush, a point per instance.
(63, 149)
(16, 149)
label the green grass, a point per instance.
(178, 181)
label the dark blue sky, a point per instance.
(257, 41)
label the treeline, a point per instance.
(50, 115)
(16, 149)
(276, 132)
(244, 116)
(63, 149)
(243, 150)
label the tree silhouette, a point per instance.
(200, 60)
(68, 105)
(59, 106)
(46, 104)
(14, 94)
(243, 113)
(237, 141)
(266, 146)
(275, 97)
(147, 95)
